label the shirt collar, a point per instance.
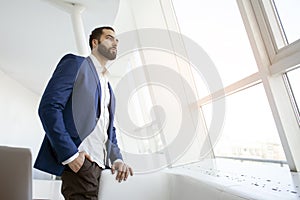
(100, 69)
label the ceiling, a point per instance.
(35, 34)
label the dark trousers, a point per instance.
(82, 185)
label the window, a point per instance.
(217, 27)
(289, 15)
(249, 129)
(293, 85)
(283, 17)
(278, 50)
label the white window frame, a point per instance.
(272, 64)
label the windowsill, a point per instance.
(246, 179)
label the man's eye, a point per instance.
(112, 38)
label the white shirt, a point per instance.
(94, 144)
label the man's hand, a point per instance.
(123, 171)
(76, 164)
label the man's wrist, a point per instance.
(118, 160)
(69, 160)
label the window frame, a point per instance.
(269, 60)
(273, 62)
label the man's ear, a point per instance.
(95, 42)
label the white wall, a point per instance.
(19, 122)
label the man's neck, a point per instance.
(102, 60)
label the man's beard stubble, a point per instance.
(106, 52)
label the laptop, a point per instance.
(15, 173)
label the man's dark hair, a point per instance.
(96, 34)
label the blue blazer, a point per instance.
(69, 111)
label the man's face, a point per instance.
(107, 45)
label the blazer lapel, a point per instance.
(93, 68)
(112, 101)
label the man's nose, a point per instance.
(115, 42)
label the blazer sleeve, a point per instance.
(115, 150)
(53, 102)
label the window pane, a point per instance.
(288, 11)
(249, 129)
(218, 28)
(293, 77)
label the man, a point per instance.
(77, 113)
